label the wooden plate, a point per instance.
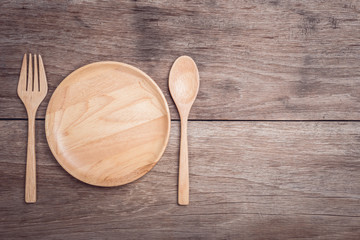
(107, 124)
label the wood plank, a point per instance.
(248, 180)
(257, 59)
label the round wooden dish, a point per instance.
(107, 124)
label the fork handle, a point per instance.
(30, 181)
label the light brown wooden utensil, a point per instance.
(32, 89)
(184, 84)
(107, 124)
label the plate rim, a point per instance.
(153, 83)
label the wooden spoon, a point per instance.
(184, 84)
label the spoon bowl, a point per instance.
(184, 84)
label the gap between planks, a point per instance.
(219, 120)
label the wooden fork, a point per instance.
(32, 89)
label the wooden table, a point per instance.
(274, 135)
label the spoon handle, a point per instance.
(183, 191)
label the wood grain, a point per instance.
(258, 59)
(255, 180)
(107, 124)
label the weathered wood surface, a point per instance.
(257, 59)
(249, 180)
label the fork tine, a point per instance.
(22, 78)
(30, 75)
(36, 79)
(43, 82)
